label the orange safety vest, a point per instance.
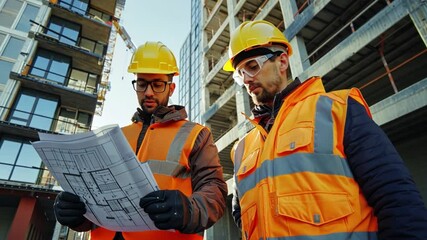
(166, 147)
(295, 181)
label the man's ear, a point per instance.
(171, 89)
(284, 62)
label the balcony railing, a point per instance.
(81, 42)
(44, 180)
(89, 12)
(73, 83)
(61, 125)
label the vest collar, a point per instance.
(309, 87)
(293, 93)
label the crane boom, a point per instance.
(124, 34)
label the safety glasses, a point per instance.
(251, 67)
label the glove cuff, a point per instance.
(85, 226)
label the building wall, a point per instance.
(377, 46)
(14, 28)
(190, 64)
(54, 67)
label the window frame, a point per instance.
(52, 57)
(30, 117)
(15, 165)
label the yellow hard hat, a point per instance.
(153, 57)
(253, 34)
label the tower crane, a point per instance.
(105, 86)
(124, 35)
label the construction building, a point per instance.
(378, 46)
(55, 60)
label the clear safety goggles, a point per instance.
(250, 67)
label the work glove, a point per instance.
(69, 210)
(169, 209)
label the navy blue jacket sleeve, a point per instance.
(383, 177)
(236, 211)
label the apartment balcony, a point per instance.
(95, 18)
(69, 96)
(25, 124)
(82, 58)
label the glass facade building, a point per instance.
(190, 84)
(55, 61)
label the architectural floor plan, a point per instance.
(102, 169)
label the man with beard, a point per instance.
(181, 155)
(315, 165)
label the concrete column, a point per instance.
(56, 231)
(419, 17)
(204, 69)
(234, 21)
(205, 104)
(204, 91)
(242, 105)
(298, 62)
(22, 221)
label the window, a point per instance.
(71, 121)
(50, 65)
(65, 31)
(34, 110)
(13, 48)
(79, 6)
(92, 46)
(9, 12)
(11, 51)
(19, 161)
(103, 16)
(5, 68)
(83, 81)
(30, 13)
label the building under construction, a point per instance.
(378, 46)
(55, 60)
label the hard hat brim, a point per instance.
(228, 66)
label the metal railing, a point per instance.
(72, 82)
(79, 42)
(61, 126)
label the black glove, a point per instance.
(169, 209)
(69, 210)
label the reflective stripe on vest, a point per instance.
(345, 235)
(323, 139)
(295, 163)
(171, 166)
(300, 162)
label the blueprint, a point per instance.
(103, 170)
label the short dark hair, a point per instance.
(170, 77)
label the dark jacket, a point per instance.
(377, 167)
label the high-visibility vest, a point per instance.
(166, 147)
(295, 181)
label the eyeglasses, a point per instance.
(156, 86)
(251, 67)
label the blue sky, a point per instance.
(167, 21)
